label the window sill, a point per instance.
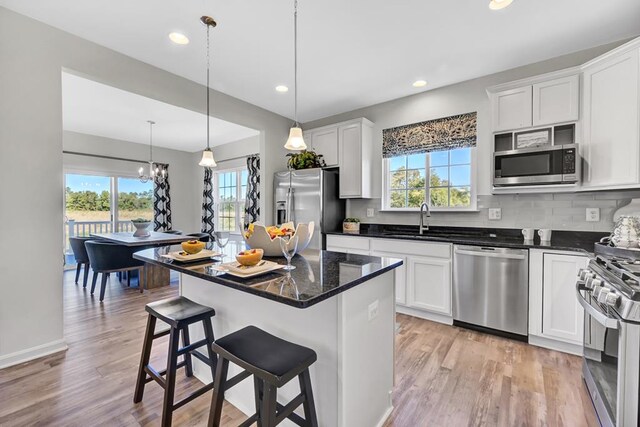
(417, 210)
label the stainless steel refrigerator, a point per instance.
(309, 195)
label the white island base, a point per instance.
(353, 376)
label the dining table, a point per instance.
(154, 275)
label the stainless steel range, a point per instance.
(609, 291)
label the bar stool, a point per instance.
(179, 313)
(273, 362)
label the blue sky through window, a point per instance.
(78, 182)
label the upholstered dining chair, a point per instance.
(106, 258)
(203, 237)
(82, 259)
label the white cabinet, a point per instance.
(511, 109)
(355, 154)
(611, 137)
(556, 101)
(429, 284)
(348, 244)
(555, 315)
(400, 274)
(324, 141)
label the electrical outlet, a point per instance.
(593, 214)
(495, 214)
(370, 212)
(373, 310)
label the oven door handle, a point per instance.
(598, 315)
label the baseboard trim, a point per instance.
(552, 344)
(32, 353)
(385, 416)
(434, 317)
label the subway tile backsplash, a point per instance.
(561, 211)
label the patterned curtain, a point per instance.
(208, 225)
(162, 201)
(433, 135)
(252, 201)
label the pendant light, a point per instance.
(207, 155)
(499, 4)
(295, 141)
(155, 174)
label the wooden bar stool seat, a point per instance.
(273, 362)
(179, 313)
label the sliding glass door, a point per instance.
(96, 203)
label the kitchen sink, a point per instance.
(432, 233)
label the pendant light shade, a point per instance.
(295, 142)
(207, 160)
(499, 4)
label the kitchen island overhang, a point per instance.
(344, 310)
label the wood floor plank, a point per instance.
(445, 376)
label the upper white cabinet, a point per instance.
(324, 141)
(556, 101)
(555, 315)
(611, 105)
(542, 100)
(511, 109)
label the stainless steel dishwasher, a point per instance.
(491, 288)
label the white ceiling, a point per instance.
(352, 53)
(97, 109)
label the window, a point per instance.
(444, 178)
(230, 189)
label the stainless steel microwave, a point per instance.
(559, 164)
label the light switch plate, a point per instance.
(370, 212)
(373, 310)
(495, 214)
(593, 214)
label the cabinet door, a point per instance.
(429, 284)
(611, 140)
(325, 142)
(511, 109)
(562, 314)
(556, 101)
(400, 273)
(350, 143)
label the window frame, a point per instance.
(240, 201)
(386, 191)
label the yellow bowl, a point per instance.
(192, 246)
(250, 257)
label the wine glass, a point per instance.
(222, 238)
(289, 246)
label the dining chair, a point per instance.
(203, 237)
(82, 259)
(106, 258)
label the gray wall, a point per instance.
(542, 211)
(33, 57)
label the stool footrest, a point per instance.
(161, 373)
(203, 358)
(192, 347)
(154, 376)
(193, 395)
(162, 334)
(235, 380)
(252, 419)
(287, 411)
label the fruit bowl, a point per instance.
(142, 227)
(269, 241)
(250, 257)
(192, 247)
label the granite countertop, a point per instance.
(575, 241)
(319, 275)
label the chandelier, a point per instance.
(155, 172)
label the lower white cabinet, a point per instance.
(401, 275)
(429, 284)
(348, 244)
(555, 315)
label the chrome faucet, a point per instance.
(424, 209)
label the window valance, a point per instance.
(433, 135)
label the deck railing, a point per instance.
(85, 228)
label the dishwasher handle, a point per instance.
(490, 254)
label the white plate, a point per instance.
(233, 269)
(185, 257)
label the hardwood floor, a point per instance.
(445, 376)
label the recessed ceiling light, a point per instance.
(178, 38)
(419, 83)
(282, 88)
(499, 4)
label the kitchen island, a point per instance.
(340, 305)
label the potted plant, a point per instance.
(351, 226)
(306, 159)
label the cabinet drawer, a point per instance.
(407, 247)
(347, 242)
